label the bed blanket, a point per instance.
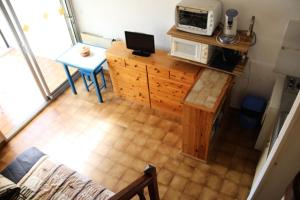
(49, 180)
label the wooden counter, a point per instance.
(201, 109)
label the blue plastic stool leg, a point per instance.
(96, 84)
(103, 78)
(84, 81)
(71, 82)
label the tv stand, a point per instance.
(141, 53)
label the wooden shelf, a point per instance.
(242, 46)
(237, 71)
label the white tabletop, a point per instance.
(73, 58)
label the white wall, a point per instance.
(110, 18)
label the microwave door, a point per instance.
(193, 18)
(186, 49)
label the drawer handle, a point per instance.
(155, 69)
(158, 85)
(140, 94)
(135, 65)
(115, 60)
(137, 79)
(118, 73)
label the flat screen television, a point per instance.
(141, 44)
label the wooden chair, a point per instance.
(149, 180)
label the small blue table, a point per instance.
(88, 66)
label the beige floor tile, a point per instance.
(121, 185)
(159, 159)
(219, 170)
(162, 190)
(214, 182)
(117, 171)
(158, 134)
(246, 180)
(131, 175)
(146, 154)
(172, 194)
(139, 165)
(165, 176)
(178, 182)
(126, 160)
(208, 194)
(171, 138)
(152, 144)
(133, 149)
(199, 176)
(172, 165)
(233, 176)
(187, 197)
(105, 165)
(243, 193)
(185, 170)
(229, 188)
(193, 189)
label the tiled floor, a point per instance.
(112, 143)
(19, 94)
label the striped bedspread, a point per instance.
(50, 180)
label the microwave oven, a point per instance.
(198, 16)
(190, 50)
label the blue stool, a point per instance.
(86, 75)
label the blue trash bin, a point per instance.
(252, 109)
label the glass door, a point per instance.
(21, 96)
(46, 31)
(32, 35)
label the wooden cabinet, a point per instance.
(201, 109)
(157, 81)
(129, 79)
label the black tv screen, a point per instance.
(142, 44)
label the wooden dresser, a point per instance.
(157, 81)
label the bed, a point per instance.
(36, 176)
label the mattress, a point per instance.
(41, 178)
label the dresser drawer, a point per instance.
(135, 65)
(129, 76)
(159, 102)
(158, 71)
(184, 77)
(172, 95)
(133, 93)
(168, 85)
